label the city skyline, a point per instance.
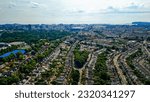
(74, 11)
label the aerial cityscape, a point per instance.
(75, 42)
(75, 54)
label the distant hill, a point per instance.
(141, 23)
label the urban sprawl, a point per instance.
(75, 54)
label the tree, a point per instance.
(75, 75)
(101, 76)
(80, 58)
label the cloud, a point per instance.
(12, 5)
(111, 9)
(25, 4)
(134, 6)
(131, 8)
(34, 4)
(80, 11)
(37, 5)
(59, 10)
(73, 12)
(18, 4)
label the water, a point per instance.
(12, 52)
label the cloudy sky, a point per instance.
(74, 11)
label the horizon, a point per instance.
(73, 23)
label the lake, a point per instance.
(14, 52)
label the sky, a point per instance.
(74, 11)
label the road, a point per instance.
(119, 71)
